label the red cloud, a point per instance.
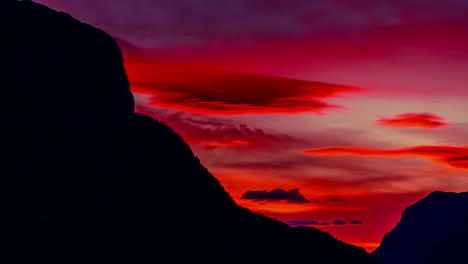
(214, 92)
(455, 157)
(422, 120)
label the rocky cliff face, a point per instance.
(433, 230)
(84, 179)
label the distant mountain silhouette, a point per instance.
(433, 230)
(83, 179)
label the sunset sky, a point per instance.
(334, 114)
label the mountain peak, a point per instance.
(438, 194)
(430, 231)
(54, 63)
(84, 179)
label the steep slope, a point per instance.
(433, 230)
(84, 179)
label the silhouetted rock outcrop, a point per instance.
(433, 230)
(84, 179)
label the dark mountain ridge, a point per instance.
(85, 179)
(433, 230)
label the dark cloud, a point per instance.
(291, 196)
(196, 22)
(191, 22)
(338, 222)
(302, 223)
(337, 199)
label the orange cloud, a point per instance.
(421, 120)
(455, 157)
(213, 92)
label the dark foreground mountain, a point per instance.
(433, 230)
(84, 179)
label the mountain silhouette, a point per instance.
(84, 179)
(433, 230)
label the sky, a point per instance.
(333, 114)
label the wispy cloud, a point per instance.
(455, 157)
(208, 131)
